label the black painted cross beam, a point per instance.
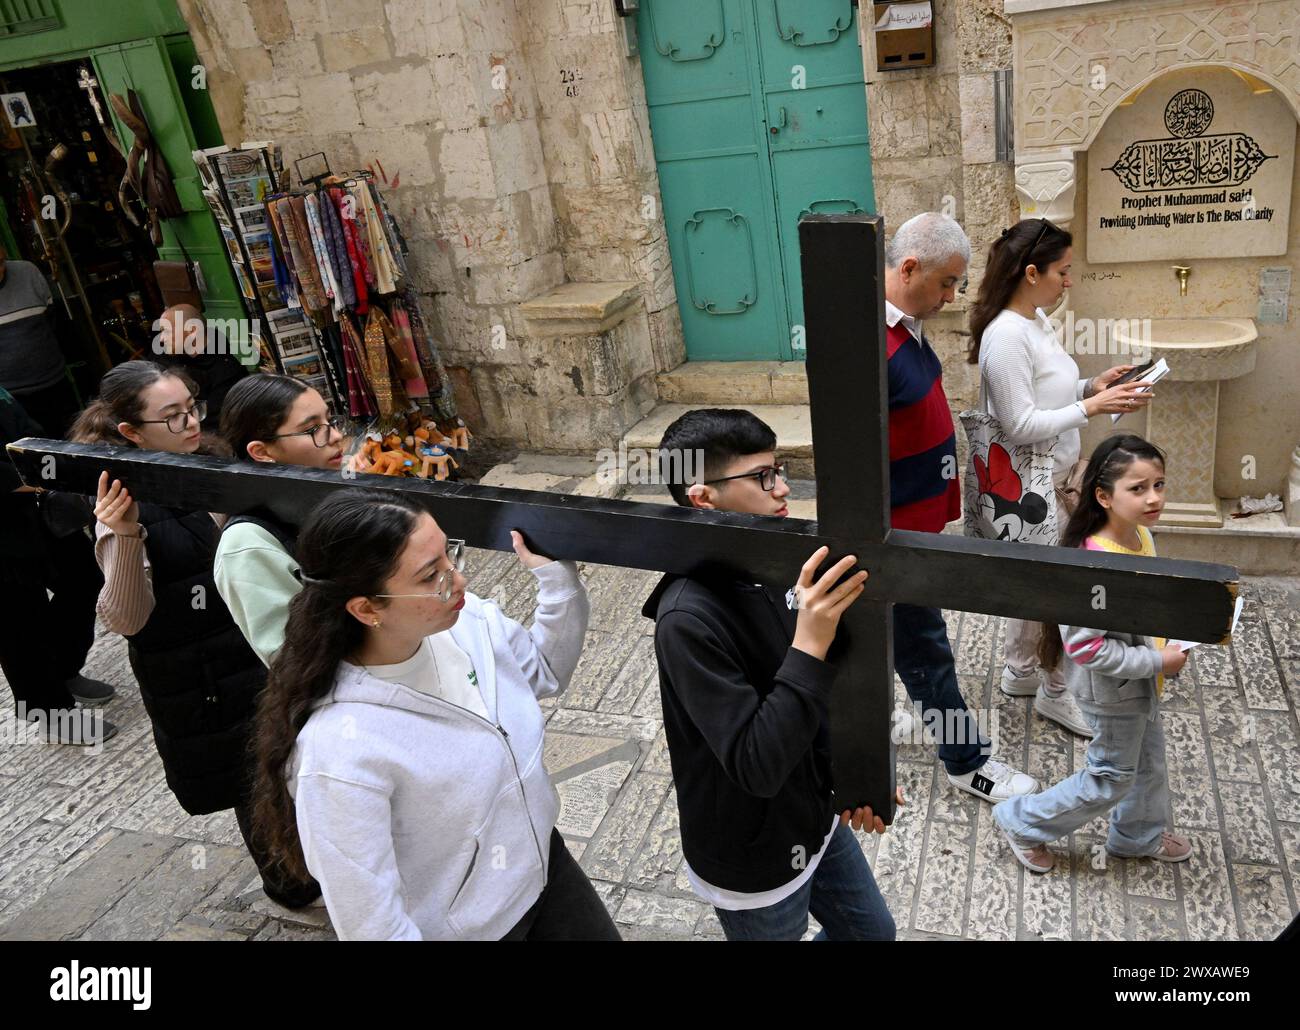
(843, 273)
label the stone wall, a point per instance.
(516, 140)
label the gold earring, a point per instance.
(375, 623)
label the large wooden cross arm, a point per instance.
(844, 300)
(1191, 600)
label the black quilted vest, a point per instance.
(198, 677)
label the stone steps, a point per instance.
(1262, 545)
(792, 424)
(723, 383)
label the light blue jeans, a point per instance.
(1124, 774)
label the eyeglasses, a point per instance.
(1024, 258)
(176, 422)
(320, 434)
(766, 477)
(445, 583)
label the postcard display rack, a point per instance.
(236, 183)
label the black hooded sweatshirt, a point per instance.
(746, 716)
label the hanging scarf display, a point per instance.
(338, 255)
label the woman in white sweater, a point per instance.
(399, 746)
(1030, 384)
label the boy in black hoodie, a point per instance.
(746, 697)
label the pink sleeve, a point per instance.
(126, 600)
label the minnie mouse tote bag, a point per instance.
(1008, 492)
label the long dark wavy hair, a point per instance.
(121, 399)
(1008, 258)
(1108, 463)
(255, 409)
(349, 546)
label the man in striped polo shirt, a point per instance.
(31, 363)
(924, 262)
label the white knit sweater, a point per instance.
(1032, 386)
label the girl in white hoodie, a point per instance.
(399, 749)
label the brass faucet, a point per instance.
(1183, 272)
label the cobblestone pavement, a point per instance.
(93, 846)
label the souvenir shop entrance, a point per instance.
(62, 161)
(59, 176)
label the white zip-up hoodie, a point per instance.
(420, 819)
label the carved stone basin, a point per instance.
(1197, 349)
(1183, 418)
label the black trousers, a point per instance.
(569, 908)
(44, 640)
(280, 887)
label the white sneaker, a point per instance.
(995, 781)
(1062, 710)
(1019, 686)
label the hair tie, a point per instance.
(305, 579)
(1005, 233)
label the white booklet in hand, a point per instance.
(1187, 645)
(1152, 375)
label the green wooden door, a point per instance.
(146, 66)
(758, 112)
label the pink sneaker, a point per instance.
(1036, 859)
(1173, 848)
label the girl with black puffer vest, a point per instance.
(199, 680)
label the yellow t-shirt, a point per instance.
(1147, 550)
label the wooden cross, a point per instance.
(843, 281)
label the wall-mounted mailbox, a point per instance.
(904, 34)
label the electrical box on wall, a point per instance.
(904, 34)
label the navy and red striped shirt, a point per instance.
(921, 437)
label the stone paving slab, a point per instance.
(94, 846)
